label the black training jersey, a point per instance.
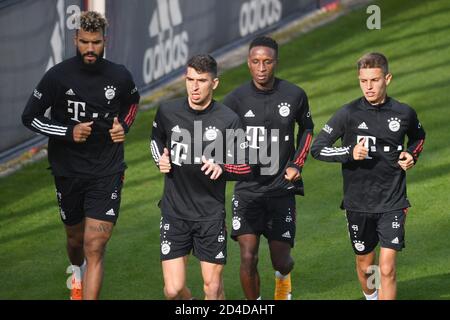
(188, 134)
(263, 111)
(376, 184)
(77, 93)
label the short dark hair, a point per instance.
(203, 63)
(373, 60)
(92, 21)
(264, 41)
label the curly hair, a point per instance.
(92, 21)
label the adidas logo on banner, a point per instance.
(363, 126)
(395, 241)
(220, 255)
(110, 212)
(176, 129)
(287, 234)
(70, 92)
(170, 39)
(249, 114)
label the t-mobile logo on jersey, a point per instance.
(78, 109)
(255, 135)
(369, 143)
(178, 152)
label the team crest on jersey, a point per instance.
(211, 133)
(394, 124)
(110, 93)
(284, 109)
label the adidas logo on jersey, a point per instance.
(110, 212)
(176, 129)
(287, 234)
(249, 114)
(70, 92)
(220, 255)
(395, 241)
(363, 126)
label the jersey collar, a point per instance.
(384, 105)
(197, 112)
(265, 92)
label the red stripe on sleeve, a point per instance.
(301, 158)
(418, 149)
(131, 114)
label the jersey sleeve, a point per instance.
(34, 115)
(129, 104)
(416, 137)
(304, 135)
(322, 147)
(236, 165)
(158, 137)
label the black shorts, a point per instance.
(206, 239)
(96, 198)
(273, 217)
(367, 229)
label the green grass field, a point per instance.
(414, 36)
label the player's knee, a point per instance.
(172, 292)
(364, 264)
(387, 271)
(249, 260)
(212, 289)
(284, 266)
(75, 241)
(94, 250)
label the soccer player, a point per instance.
(266, 206)
(192, 206)
(93, 103)
(374, 164)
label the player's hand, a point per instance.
(117, 132)
(406, 161)
(164, 162)
(292, 174)
(359, 151)
(209, 166)
(82, 131)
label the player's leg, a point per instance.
(75, 251)
(248, 271)
(176, 244)
(210, 247)
(364, 270)
(281, 235)
(96, 235)
(364, 238)
(70, 201)
(388, 289)
(174, 274)
(75, 235)
(391, 230)
(282, 262)
(101, 206)
(248, 225)
(212, 280)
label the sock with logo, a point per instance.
(373, 296)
